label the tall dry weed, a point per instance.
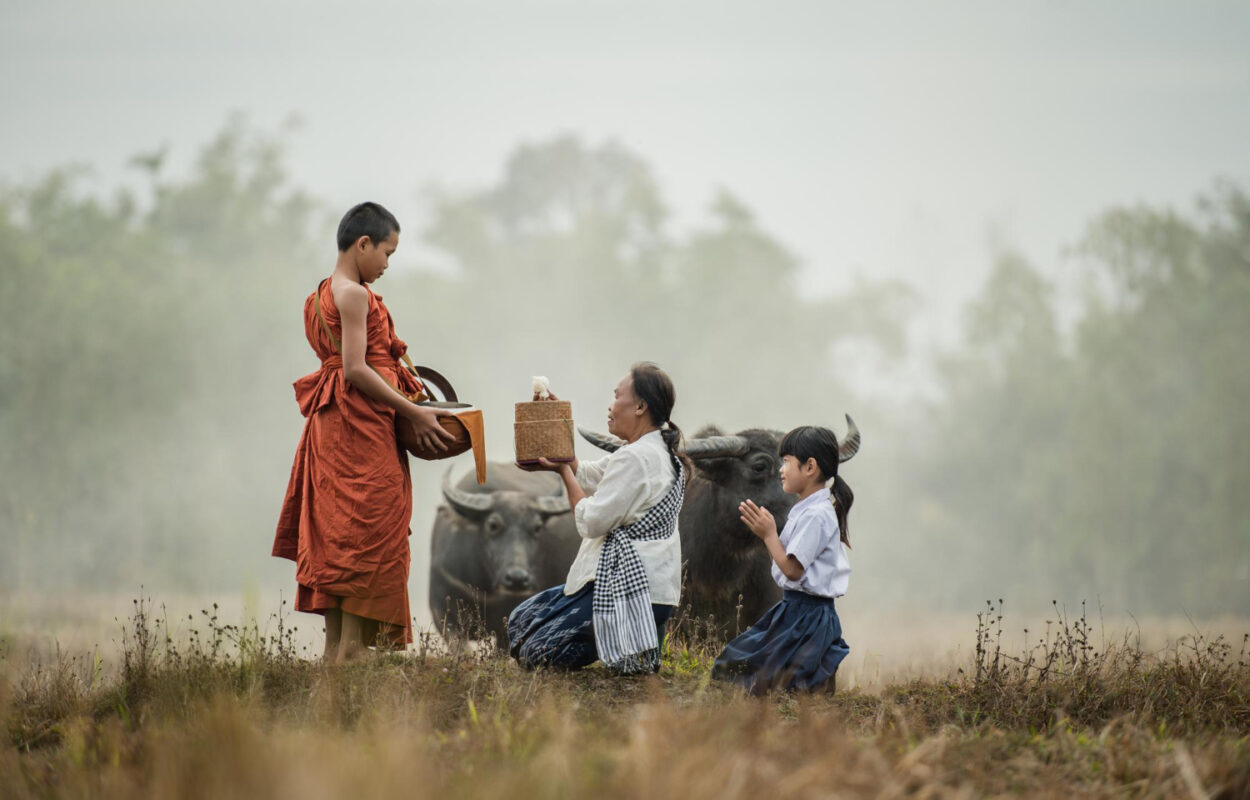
(236, 711)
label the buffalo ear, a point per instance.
(551, 506)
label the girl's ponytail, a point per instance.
(843, 497)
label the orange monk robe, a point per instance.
(345, 517)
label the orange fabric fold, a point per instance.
(472, 421)
(345, 517)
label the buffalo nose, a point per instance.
(516, 578)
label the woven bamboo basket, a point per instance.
(544, 429)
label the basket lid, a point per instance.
(543, 410)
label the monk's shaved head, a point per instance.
(366, 219)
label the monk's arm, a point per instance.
(353, 304)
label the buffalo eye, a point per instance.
(536, 527)
(494, 525)
(761, 465)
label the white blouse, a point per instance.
(812, 536)
(625, 485)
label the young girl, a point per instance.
(798, 643)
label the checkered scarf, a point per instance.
(625, 635)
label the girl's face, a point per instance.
(796, 477)
(627, 415)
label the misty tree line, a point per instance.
(150, 341)
(1110, 463)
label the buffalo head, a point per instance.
(506, 526)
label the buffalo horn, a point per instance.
(850, 443)
(717, 446)
(609, 443)
(552, 504)
(466, 503)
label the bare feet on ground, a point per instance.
(350, 651)
(351, 645)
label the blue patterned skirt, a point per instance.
(557, 631)
(797, 644)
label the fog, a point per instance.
(1012, 241)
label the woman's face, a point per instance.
(626, 415)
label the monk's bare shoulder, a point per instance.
(349, 296)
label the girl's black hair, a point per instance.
(366, 219)
(653, 387)
(811, 441)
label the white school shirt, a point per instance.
(811, 535)
(626, 484)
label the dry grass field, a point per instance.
(205, 709)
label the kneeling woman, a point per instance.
(626, 580)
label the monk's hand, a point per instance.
(759, 520)
(431, 434)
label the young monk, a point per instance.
(344, 521)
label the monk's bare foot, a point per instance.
(334, 630)
(350, 651)
(352, 640)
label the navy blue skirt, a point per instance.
(797, 644)
(557, 631)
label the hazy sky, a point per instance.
(875, 139)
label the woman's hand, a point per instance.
(432, 435)
(759, 520)
(544, 465)
(540, 399)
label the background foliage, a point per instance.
(149, 339)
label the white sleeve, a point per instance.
(589, 473)
(809, 538)
(621, 490)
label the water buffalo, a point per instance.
(723, 559)
(494, 545)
